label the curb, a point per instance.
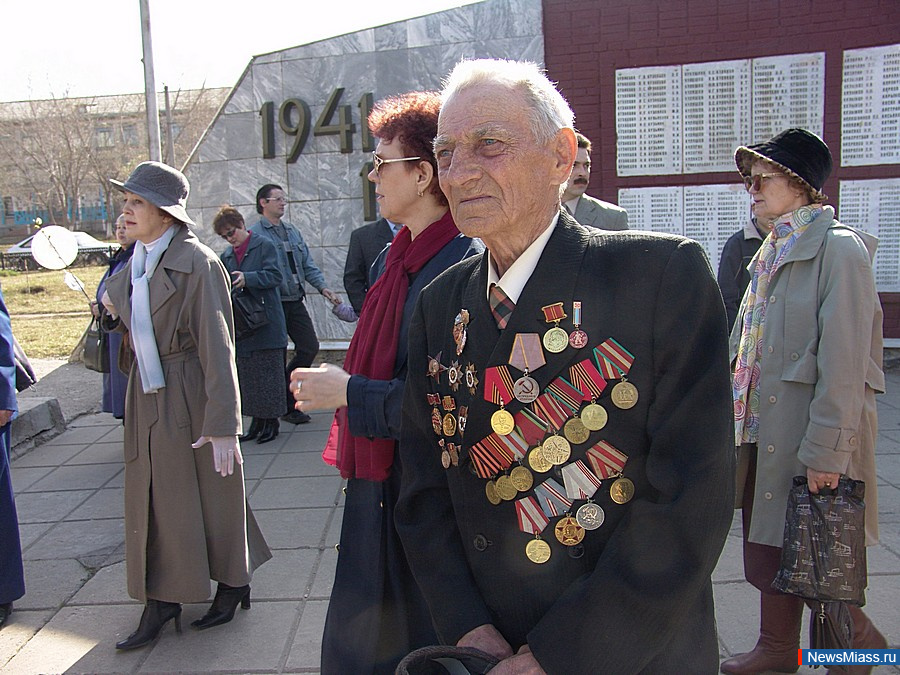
(39, 420)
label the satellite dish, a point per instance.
(54, 247)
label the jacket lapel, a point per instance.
(177, 258)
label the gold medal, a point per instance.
(594, 416)
(521, 478)
(556, 449)
(624, 395)
(505, 488)
(445, 459)
(526, 389)
(590, 516)
(621, 491)
(491, 491)
(538, 461)
(449, 425)
(555, 340)
(569, 532)
(502, 422)
(538, 551)
(575, 431)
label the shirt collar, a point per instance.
(514, 279)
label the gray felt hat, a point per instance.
(161, 185)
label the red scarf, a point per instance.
(241, 250)
(373, 349)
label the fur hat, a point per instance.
(797, 152)
(161, 185)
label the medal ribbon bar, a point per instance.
(504, 452)
(552, 498)
(527, 353)
(551, 410)
(563, 391)
(531, 519)
(530, 425)
(606, 460)
(554, 313)
(486, 464)
(615, 354)
(511, 443)
(498, 385)
(587, 379)
(576, 312)
(579, 481)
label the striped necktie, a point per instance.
(501, 306)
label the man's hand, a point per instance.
(487, 639)
(522, 663)
(322, 388)
(332, 297)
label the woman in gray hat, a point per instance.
(807, 353)
(186, 516)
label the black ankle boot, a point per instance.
(5, 611)
(253, 431)
(156, 614)
(223, 606)
(269, 431)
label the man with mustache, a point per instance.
(587, 210)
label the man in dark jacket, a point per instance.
(366, 243)
(567, 450)
(733, 276)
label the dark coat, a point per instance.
(115, 382)
(262, 277)
(733, 276)
(366, 243)
(639, 597)
(376, 614)
(12, 576)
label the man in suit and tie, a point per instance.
(587, 210)
(568, 472)
(366, 243)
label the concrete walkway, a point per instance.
(69, 498)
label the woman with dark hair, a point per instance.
(186, 516)
(377, 614)
(115, 382)
(807, 353)
(252, 262)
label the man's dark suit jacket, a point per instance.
(639, 597)
(366, 243)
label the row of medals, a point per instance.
(555, 450)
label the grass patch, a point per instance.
(48, 317)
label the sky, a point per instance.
(59, 48)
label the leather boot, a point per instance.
(269, 431)
(780, 617)
(5, 611)
(223, 606)
(865, 636)
(156, 614)
(253, 431)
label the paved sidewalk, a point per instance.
(69, 497)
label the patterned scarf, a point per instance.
(768, 259)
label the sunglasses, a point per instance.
(229, 234)
(755, 182)
(378, 161)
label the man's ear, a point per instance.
(565, 148)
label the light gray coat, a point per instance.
(820, 370)
(184, 523)
(602, 215)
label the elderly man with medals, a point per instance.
(564, 507)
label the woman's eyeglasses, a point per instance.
(229, 234)
(755, 182)
(378, 161)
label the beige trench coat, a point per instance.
(820, 370)
(184, 523)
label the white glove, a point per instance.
(226, 452)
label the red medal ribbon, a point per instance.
(449, 404)
(487, 464)
(530, 425)
(504, 452)
(554, 313)
(616, 355)
(514, 442)
(587, 379)
(434, 399)
(531, 519)
(565, 393)
(606, 460)
(551, 410)
(527, 353)
(498, 385)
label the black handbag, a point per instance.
(830, 626)
(249, 312)
(25, 376)
(443, 659)
(96, 348)
(823, 557)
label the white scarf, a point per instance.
(143, 265)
